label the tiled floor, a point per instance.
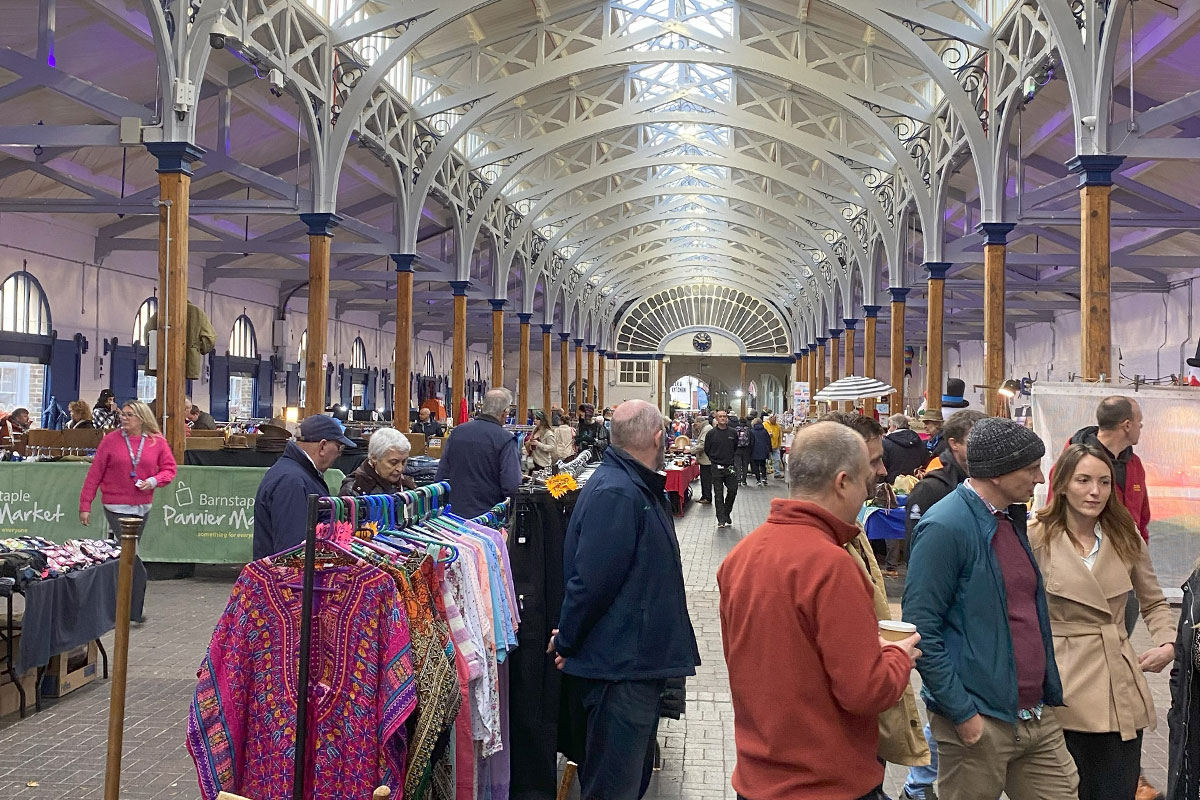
(60, 752)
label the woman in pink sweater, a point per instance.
(130, 463)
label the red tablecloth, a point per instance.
(679, 478)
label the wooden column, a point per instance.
(564, 372)
(404, 338)
(848, 359)
(820, 379)
(871, 313)
(935, 378)
(743, 389)
(458, 352)
(497, 342)
(579, 396)
(994, 252)
(546, 348)
(320, 238)
(664, 401)
(523, 369)
(835, 356)
(174, 191)
(812, 379)
(591, 375)
(116, 700)
(603, 380)
(896, 401)
(1095, 190)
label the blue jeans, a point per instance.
(777, 461)
(922, 778)
(622, 722)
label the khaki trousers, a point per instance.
(1027, 761)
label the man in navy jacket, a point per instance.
(281, 504)
(624, 627)
(480, 459)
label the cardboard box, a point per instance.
(433, 447)
(10, 698)
(71, 670)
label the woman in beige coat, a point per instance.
(1091, 555)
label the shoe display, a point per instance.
(1147, 791)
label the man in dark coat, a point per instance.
(281, 504)
(480, 459)
(903, 451)
(624, 628)
(760, 451)
(427, 425)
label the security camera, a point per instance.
(221, 30)
(275, 78)
(1089, 122)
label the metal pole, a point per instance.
(306, 603)
(116, 704)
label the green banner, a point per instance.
(204, 516)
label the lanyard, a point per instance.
(134, 460)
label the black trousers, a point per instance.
(622, 722)
(706, 481)
(759, 467)
(1108, 768)
(741, 461)
(725, 489)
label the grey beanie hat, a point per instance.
(997, 446)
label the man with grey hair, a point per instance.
(624, 627)
(480, 459)
(791, 595)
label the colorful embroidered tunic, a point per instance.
(241, 728)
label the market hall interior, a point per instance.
(376, 205)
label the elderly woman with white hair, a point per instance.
(382, 471)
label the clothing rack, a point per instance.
(498, 515)
(428, 502)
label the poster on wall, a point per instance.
(800, 399)
(1167, 449)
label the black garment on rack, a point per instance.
(535, 545)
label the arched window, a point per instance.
(23, 305)
(358, 354)
(141, 321)
(242, 341)
(428, 367)
(23, 311)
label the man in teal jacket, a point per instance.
(975, 594)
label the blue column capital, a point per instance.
(871, 312)
(851, 323)
(834, 333)
(175, 157)
(591, 348)
(937, 269)
(523, 317)
(802, 354)
(821, 340)
(899, 293)
(403, 261)
(1095, 170)
(320, 224)
(497, 303)
(547, 327)
(459, 288)
(995, 232)
(579, 342)
(564, 336)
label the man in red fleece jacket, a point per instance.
(793, 599)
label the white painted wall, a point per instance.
(100, 301)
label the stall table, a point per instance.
(249, 457)
(679, 481)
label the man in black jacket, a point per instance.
(426, 425)
(480, 459)
(624, 628)
(281, 504)
(720, 445)
(903, 451)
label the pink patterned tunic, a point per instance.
(241, 728)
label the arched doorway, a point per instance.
(689, 392)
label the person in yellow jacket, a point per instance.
(771, 423)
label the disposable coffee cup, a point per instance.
(895, 630)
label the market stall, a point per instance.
(679, 482)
